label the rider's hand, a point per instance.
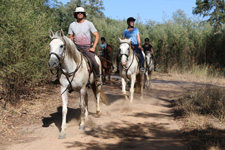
(139, 46)
(92, 49)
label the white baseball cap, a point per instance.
(80, 9)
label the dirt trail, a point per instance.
(145, 124)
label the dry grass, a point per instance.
(196, 121)
(207, 100)
(203, 116)
(195, 73)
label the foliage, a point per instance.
(214, 9)
(24, 25)
(179, 42)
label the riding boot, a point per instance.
(142, 70)
(117, 64)
(117, 70)
(155, 67)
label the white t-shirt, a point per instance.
(82, 32)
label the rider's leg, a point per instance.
(117, 61)
(91, 56)
(155, 61)
(138, 50)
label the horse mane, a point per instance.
(71, 49)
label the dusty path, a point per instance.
(146, 124)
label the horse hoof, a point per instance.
(98, 113)
(82, 127)
(63, 136)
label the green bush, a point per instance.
(24, 26)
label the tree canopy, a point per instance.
(213, 9)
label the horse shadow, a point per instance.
(56, 117)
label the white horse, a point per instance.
(129, 69)
(149, 69)
(74, 75)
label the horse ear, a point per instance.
(129, 40)
(61, 33)
(120, 40)
(51, 34)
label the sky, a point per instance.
(155, 10)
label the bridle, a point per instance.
(67, 75)
(57, 56)
(127, 56)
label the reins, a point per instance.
(71, 74)
(106, 60)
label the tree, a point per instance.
(24, 26)
(214, 9)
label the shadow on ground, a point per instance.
(146, 136)
(56, 117)
(205, 139)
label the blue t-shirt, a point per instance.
(131, 34)
(102, 48)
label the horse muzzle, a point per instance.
(123, 63)
(53, 64)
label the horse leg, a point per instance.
(124, 88)
(147, 78)
(96, 91)
(83, 93)
(109, 73)
(133, 78)
(103, 72)
(98, 110)
(142, 85)
(86, 105)
(62, 134)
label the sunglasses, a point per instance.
(80, 13)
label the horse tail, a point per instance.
(103, 97)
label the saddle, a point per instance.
(88, 61)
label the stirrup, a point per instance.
(98, 80)
(142, 70)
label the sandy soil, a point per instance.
(144, 124)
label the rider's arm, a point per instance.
(152, 50)
(139, 41)
(71, 36)
(97, 37)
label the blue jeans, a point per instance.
(138, 50)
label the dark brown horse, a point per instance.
(106, 61)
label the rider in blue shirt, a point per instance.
(133, 33)
(102, 46)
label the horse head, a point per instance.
(109, 49)
(57, 49)
(148, 58)
(125, 50)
